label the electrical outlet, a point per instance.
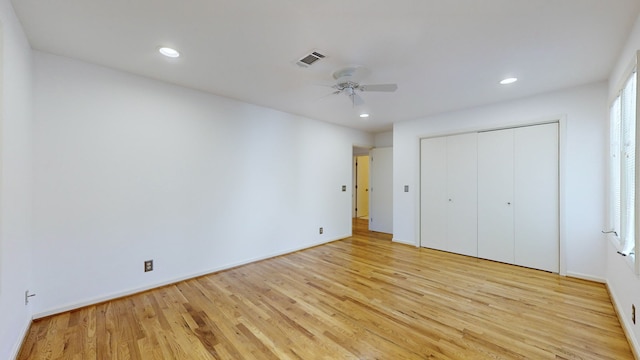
(148, 265)
(321, 231)
(633, 313)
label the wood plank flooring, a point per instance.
(363, 297)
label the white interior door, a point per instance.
(462, 194)
(433, 193)
(537, 228)
(381, 190)
(495, 195)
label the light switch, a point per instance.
(406, 188)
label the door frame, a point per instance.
(356, 150)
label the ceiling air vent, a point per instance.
(309, 59)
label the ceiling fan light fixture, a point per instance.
(508, 81)
(169, 52)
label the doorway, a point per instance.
(361, 186)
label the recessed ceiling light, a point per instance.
(365, 115)
(508, 81)
(169, 52)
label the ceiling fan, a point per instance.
(347, 82)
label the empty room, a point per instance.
(416, 179)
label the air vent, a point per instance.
(310, 59)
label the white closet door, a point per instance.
(462, 194)
(433, 193)
(536, 197)
(495, 195)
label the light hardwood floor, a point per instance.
(359, 298)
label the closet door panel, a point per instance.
(433, 193)
(462, 194)
(495, 195)
(536, 197)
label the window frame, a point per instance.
(616, 226)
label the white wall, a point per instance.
(15, 182)
(129, 169)
(585, 111)
(384, 139)
(624, 59)
(624, 285)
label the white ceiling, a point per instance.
(443, 54)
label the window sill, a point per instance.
(628, 259)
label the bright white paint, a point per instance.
(450, 200)
(584, 165)
(444, 55)
(433, 194)
(15, 181)
(536, 208)
(583, 142)
(624, 285)
(495, 195)
(462, 194)
(512, 217)
(381, 194)
(384, 139)
(129, 169)
(624, 59)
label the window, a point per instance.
(622, 176)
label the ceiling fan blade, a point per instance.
(329, 94)
(353, 73)
(379, 87)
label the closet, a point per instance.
(449, 193)
(508, 210)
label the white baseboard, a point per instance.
(586, 277)
(112, 296)
(23, 336)
(627, 327)
(404, 242)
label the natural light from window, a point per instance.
(622, 176)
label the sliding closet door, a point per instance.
(495, 195)
(536, 197)
(462, 194)
(433, 193)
